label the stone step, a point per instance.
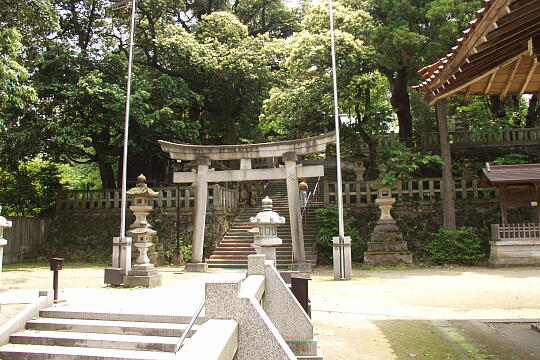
(40, 352)
(109, 316)
(110, 327)
(319, 356)
(95, 340)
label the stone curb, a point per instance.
(31, 311)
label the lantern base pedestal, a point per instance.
(144, 281)
(142, 275)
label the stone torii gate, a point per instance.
(288, 150)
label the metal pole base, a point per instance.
(342, 258)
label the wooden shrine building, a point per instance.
(518, 185)
(497, 55)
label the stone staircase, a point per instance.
(66, 335)
(235, 246)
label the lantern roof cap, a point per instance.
(141, 188)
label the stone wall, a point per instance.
(88, 236)
(419, 222)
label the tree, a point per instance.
(409, 35)
(302, 103)
(228, 67)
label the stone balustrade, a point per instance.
(419, 190)
(167, 199)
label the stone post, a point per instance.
(201, 198)
(265, 234)
(359, 170)
(295, 215)
(143, 272)
(4, 223)
(346, 264)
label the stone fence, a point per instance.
(465, 139)
(169, 199)
(515, 231)
(503, 137)
(362, 193)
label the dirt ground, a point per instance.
(435, 314)
(427, 313)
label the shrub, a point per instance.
(455, 247)
(329, 228)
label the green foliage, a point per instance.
(186, 251)
(401, 163)
(79, 176)
(511, 159)
(14, 90)
(455, 247)
(29, 189)
(329, 228)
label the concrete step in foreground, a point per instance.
(38, 352)
(65, 334)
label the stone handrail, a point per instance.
(418, 190)
(515, 231)
(96, 200)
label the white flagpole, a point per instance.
(126, 126)
(338, 150)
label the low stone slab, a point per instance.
(144, 281)
(391, 258)
(514, 252)
(400, 246)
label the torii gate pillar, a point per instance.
(197, 264)
(297, 231)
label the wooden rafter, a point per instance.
(510, 78)
(529, 77)
(466, 81)
(490, 82)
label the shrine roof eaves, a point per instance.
(497, 54)
(510, 174)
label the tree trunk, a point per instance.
(448, 190)
(106, 173)
(533, 114)
(496, 105)
(401, 103)
(230, 137)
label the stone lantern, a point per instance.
(142, 272)
(265, 234)
(303, 187)
(4, 223)
(386, 246)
